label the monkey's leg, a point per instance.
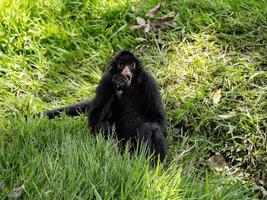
(151, 133)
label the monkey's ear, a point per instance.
(112, 63)
(137, 60)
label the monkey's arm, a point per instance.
(152, 105)
(101, 110)
(72, 110)
(152, 109)
(101, 107)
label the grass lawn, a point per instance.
(210, 66)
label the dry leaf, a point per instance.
(227, 115)
(141, 21)
(217, 162)
(2, 186)
(147, 28)
(166, 21)
(17, 192)
(136, 27)
(216, 96)
(153, 11)
(140, 39)
(263, 190)
(135, 8)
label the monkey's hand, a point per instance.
(119, 81)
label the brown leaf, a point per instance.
(141, 21)
(17, 192)
(217, 162)
(166, 21)
(216, 96)
(153, 11)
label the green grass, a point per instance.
(59, 159)
(53, 53)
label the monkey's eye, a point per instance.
(120, 66)
(131, 65)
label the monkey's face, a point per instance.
(126, 64)
(127, 71)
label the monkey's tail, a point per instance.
(72, 110)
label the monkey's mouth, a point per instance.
(129, 80)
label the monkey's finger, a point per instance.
(117, 80)
(120, 77)
(122, 82)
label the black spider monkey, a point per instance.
(128, 98)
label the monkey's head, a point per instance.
(126, 64)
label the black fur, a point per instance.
(72, 110)
(135, 111)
